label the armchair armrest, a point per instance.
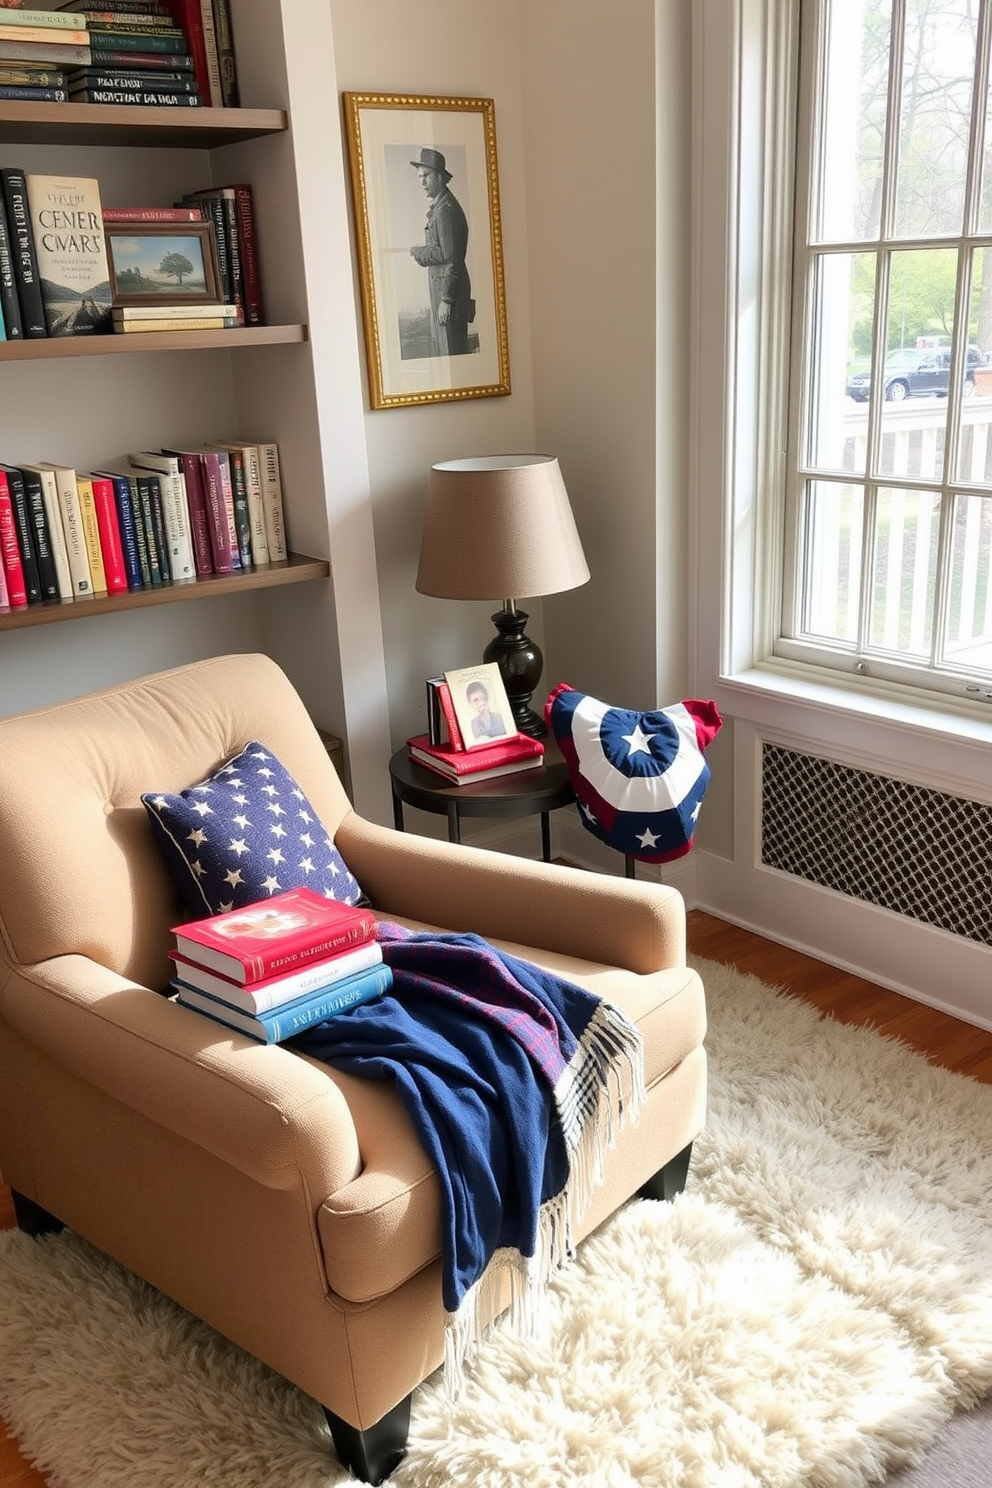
(262, 1109)
(615, 921)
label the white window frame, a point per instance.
(744, 108)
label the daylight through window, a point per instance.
(891, 509)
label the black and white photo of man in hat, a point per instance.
(442, 254)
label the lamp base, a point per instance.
(520, 665)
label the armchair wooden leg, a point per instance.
(373, 1454)
(31, 1218)
(669, 1180)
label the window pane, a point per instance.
(904, 571)
(935, 121)
(917, 362)
(839, 352)
(832, 561)
(969, 630)
(856, 80)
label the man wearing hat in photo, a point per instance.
(443, 256)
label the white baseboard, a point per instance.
(928, 965)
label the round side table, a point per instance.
(523, 793)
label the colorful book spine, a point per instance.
(217, 466)
(199, 516)
(234, 460)
(151, 214)
(143, 503)
(111, 544)
(145, 61)
(56, 53)
(53, 525)
(75, 37)
(24, 533)
(274, 992)
(189, 16)
(283, 1023)
(272, 500)
(91, 533)
(24, 259)
(295, 928)
(152, 483)
(33, 95)
(48, 20)
(127, 528)
(10, 553)
(110, 77)
(103, 42)
(42, 539)
(251, 282)
(72, 528)
(33, 77)
(4, 593)
(225, 53)
(175, 511)
(177, 322)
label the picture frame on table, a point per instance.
(481, 705)
(425, 189)
(162, 263)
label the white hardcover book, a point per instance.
(72, 528)
(56, 532)
(175, 510)
(275, 518)
(253, 487)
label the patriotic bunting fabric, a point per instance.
(244, 834)
(639, 777)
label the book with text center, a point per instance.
(274, 935)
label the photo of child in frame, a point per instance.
(481, 705)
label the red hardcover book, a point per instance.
(199, 515)
(10, 553)
(274, 936)
(520, 752)
(111, 545)
(190, 15)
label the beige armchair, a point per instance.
(200, 1159)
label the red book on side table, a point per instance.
(461, 767)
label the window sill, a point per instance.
(761, 693)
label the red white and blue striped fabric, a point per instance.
(639, 777)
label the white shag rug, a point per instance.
(810, 1311)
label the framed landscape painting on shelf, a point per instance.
(172, 263)
(430, 257)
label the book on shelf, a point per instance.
(442, 725)
(33, 95)
(75, 37)
(272, 500)
(175, 510)
(91, 532)
(132, 534)
(4, 593)
(195, 18)
(10, 305)
(134, 98)
(119, 9)
(178, 321)
(71, 254)
(463, 766)
(246, 456)
(48, 573)
(41, 477)
(23, 258)
(24, 533)
(10, 552)
(200, 519)
(273, 992)
(27, 75)
(232, 526)
(275, 936)
(283, 1022)
(244, 220)
(150, 214)
(109, 527)
(226, 59)
(153, 521)
(221, 205)
(123, 79)
(72, 529)
(52, 20)
(139, 39)
(233, 478)
(58, 54)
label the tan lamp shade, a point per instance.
(499, 527)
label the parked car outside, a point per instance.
(916, 374)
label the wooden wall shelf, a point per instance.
(46, 348)
(119, 124)
(295, 570)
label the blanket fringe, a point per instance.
(600, 1093)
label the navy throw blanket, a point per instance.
(516, 1083)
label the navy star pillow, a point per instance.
(639, 777)
(244, 834)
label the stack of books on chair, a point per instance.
(272, 969)
(451, 749)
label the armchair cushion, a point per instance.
(244, 833)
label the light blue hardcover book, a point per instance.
(282, 1023)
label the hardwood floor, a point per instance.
(850, 999)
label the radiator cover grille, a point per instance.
(904, 847)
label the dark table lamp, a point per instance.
(501, 525)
